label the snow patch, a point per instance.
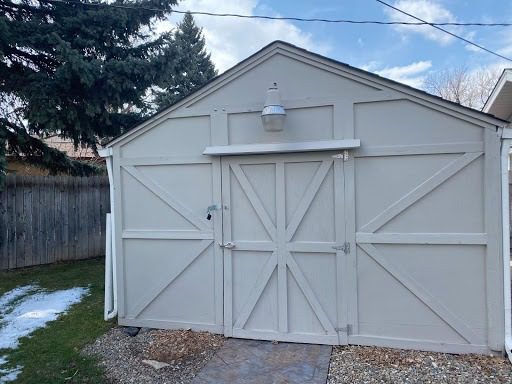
(9, 374)
(22, 312)
(8, 298)
(33, 312)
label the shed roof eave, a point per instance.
(497, 92)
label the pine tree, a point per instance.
(193, 66)
(71, 69)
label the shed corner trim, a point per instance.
(306, 146)
(105, 152)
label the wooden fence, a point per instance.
(44, 219)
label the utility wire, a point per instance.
(436, 26)
(288, 18)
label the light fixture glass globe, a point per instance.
(273, 113)
(273, 122)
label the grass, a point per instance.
(52, 354)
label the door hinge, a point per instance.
(347, 329)
(345, 247)
(342, 156)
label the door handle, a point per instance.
(227, 245)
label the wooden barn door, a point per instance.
(284, 248)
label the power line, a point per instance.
(288, 18)
(436, 26)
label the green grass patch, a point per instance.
(52, 354)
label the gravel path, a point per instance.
(354, 364)
(186, 352)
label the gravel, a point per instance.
(185, 351)
(355, 364)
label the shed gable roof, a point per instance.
(314, 59)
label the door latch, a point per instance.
(227, 245)
(345, 247)
(347, 329)
(209, 211)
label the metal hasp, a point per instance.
(345, 247)
(346, 329)
(227, 245)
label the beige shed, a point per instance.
(356, 210)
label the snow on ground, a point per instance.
(8, 298)
(8, 374)
(25, 309)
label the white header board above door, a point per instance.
(308, 146)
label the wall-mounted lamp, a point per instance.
(273, 113)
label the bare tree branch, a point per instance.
(470, 88)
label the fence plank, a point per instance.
(4, 230)
(50, 231)
(59, 219)
(90, 219)
(45, 184)
(82, 218)
(27, 206)
(37, 228)
(65, 218)
(20, 223)
(96, 217)
(74, 218)
(11, 219)
(51, 218)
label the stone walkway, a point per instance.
(254, 361)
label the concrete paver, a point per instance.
(256, 361)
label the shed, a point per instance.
(374, 217)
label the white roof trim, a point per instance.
(306, 146)
(318, 61)
(105, 152)
(507, 134)
(505, 77)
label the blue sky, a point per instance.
(407, 54)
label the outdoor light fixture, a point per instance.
(273, 113)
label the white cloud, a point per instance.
(231, 40)
(413, 74)
(428, 10)
(506, 48)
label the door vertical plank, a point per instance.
(350, 237)
(226, 236)
(282, 284)
(494, 260)
(341, 258)
(217, 218)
